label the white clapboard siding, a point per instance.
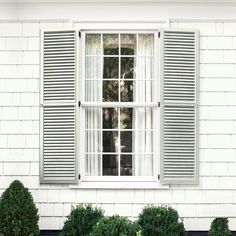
(58, 113)
(179, 55)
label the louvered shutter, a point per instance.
(179, 57)
(58, 107)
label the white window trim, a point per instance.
(121, 182)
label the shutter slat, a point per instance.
(59, 119)
(179, 90)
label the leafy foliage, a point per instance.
(18, 213)
(219, 227)
(81, 220)
(160, 221)
(115, 226)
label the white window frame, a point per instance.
(121, 182)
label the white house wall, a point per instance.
(19, 112)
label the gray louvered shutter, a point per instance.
(58, 107)
(179, 56)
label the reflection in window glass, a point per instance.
(110, 91)
(110, 118)
(109, 164)
(110, 141)
(111, 67)
(126, 165)
(127, 68)
(126, 141)
(111, 44)
(126, 118)
(128, 44)
(126, 91)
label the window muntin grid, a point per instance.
(117, 77)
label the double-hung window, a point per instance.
(119, 106)
(120, 94)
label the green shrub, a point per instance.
(81, 220)
(18, 213)
(160, 221)
(219, 227)
(115, 226)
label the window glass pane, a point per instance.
(127, 67)
(109, 164)
(126, 118)
(93, 165)
(93, 67)
(144, 68)
(110, 91)
(126, 90)
(143, 91)
(142, 141)
(144, 165)
(111, 67)
(93, 44)
(93, 91)
(126, 144)
(128, 44)
(143, 118)
(110, 141)
(93, 118)
(145, 44)
(119, 141)
(93, 141)
(111, 44)
(126, 165)
(110, 118)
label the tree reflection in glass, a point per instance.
(111, 68)
(110, 91)
(111, 44)
(110, 118)
(128, 44)
(110, 164)
(126, 89)
(126, 165)
(110, 141)
(126, 118)
(126, 141)
(127, 68)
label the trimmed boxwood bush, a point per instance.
(219, 227)
(18, 213)
(115, 226)
(81, 220)
(160, 221)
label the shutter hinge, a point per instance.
(159, 104)
(79, 176)
(158, 176)
(80, 34)
(159, 34)
(79, 103)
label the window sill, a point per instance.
(119, 185)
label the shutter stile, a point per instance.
(179, 110)
(58, 163)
